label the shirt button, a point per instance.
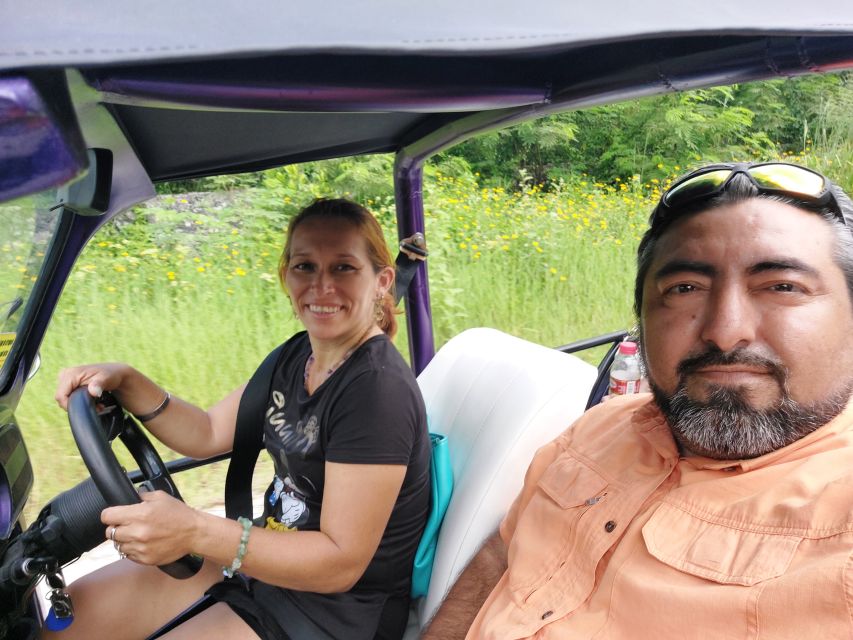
(610, 526)
(547, 614)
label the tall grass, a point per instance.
(185, 289)
(547, 266)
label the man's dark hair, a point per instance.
(738, 189)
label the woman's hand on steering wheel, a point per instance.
(157, 531)
(107, 376)
(110, 477)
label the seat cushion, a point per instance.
(497, 398)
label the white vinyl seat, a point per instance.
(497, 398)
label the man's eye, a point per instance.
(681, 289)
(784, 287)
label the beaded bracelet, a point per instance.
(150, 416)
(229, 572)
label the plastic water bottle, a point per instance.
(625, 373)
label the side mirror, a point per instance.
(34, 367)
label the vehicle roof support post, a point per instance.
(408, 192)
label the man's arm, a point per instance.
(460, 607)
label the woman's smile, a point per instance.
(324, 310)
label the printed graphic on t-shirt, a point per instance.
(287, 504)
(299, 438)
(294, 439)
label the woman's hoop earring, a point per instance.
(378, 308)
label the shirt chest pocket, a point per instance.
(570, 484)
(550, 531)
(714, 551)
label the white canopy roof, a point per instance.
(94, 32)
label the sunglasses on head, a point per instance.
(772, 178)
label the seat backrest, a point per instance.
(497, 398)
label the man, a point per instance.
(721, 506)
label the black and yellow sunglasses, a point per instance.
(774, 178)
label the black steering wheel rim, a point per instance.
(107, 473)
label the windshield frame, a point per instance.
(23, 349)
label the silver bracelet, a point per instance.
(160, 409)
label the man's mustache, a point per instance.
(714, 356)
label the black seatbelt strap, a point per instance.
(248, 438)
(405, 269)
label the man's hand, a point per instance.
(460, 607)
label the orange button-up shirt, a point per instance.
(615, 536)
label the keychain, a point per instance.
(61, 613)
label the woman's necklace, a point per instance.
(310, 361)
(330, 370)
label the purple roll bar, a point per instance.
(408, 192)
(315, 98)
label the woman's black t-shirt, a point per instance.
(369, 411)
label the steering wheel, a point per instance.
(109, 476)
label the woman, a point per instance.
(346, 429)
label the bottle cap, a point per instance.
(628, 348)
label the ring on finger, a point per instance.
(113, 534)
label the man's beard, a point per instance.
(726, 427)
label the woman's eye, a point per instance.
(345, 267)
(303, 266)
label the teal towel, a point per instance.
(441, 479)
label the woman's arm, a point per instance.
(183, 427)
(357, 503)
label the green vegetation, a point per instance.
(649, 137)
(522, 237)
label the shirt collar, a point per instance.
(650, 423)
